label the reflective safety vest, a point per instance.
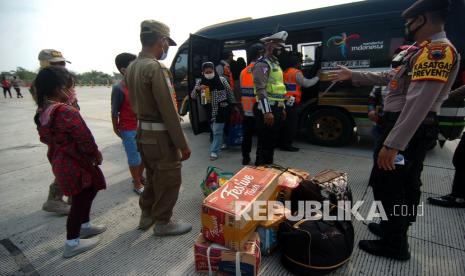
(292, 88)
(275, 87)
(228, 74)
(247, 90)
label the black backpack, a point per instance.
(315, 247)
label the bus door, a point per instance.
(179, 72)
(311, 53)
(201, 49)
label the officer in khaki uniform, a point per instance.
(161, 141)
(409, 126)
(55, 202)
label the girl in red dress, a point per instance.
(73, 154)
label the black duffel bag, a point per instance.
(315, 247)
(327, 185)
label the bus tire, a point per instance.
(328, 127)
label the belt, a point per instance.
(392, 116)
(274, 103)
(152, 126)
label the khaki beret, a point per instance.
(153, 26)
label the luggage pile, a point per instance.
(244, 219)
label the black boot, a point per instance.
(245, 160)
(289, 148)
(377, 229)
(385, 249)
(447, 201)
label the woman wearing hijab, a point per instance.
(215, 91)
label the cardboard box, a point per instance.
(279, 215)
(226, 224)
(268, 230)
(210, 257)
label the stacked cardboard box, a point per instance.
(226, 212)
(229, 242)
(210, 257)
(268, 230)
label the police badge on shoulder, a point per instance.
(434, 63)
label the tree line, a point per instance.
(93, 77)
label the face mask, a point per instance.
(164, 54)
(209, 76)
(410, 34)
(277, 51)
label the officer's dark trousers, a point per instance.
(458, 187)
(267, 135)
(289, 130)
(249, 129)
(399, 190)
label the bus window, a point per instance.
(308, 51)
(396, 42)
(240, 53)
(180, 67)
(179, 70)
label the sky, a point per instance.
(90, 33)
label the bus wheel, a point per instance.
(328, 127)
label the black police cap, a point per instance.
(255, 49)
(422, 6)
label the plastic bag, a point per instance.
(214, 178)
(235, 128)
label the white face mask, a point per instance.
(209, 76)
(164, 54)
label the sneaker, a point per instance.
(171, 228)
(213, 156)
(447, 201)
(92, 231)
(384, 249)
(82, 246)
(145, 222)
(56, 206)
